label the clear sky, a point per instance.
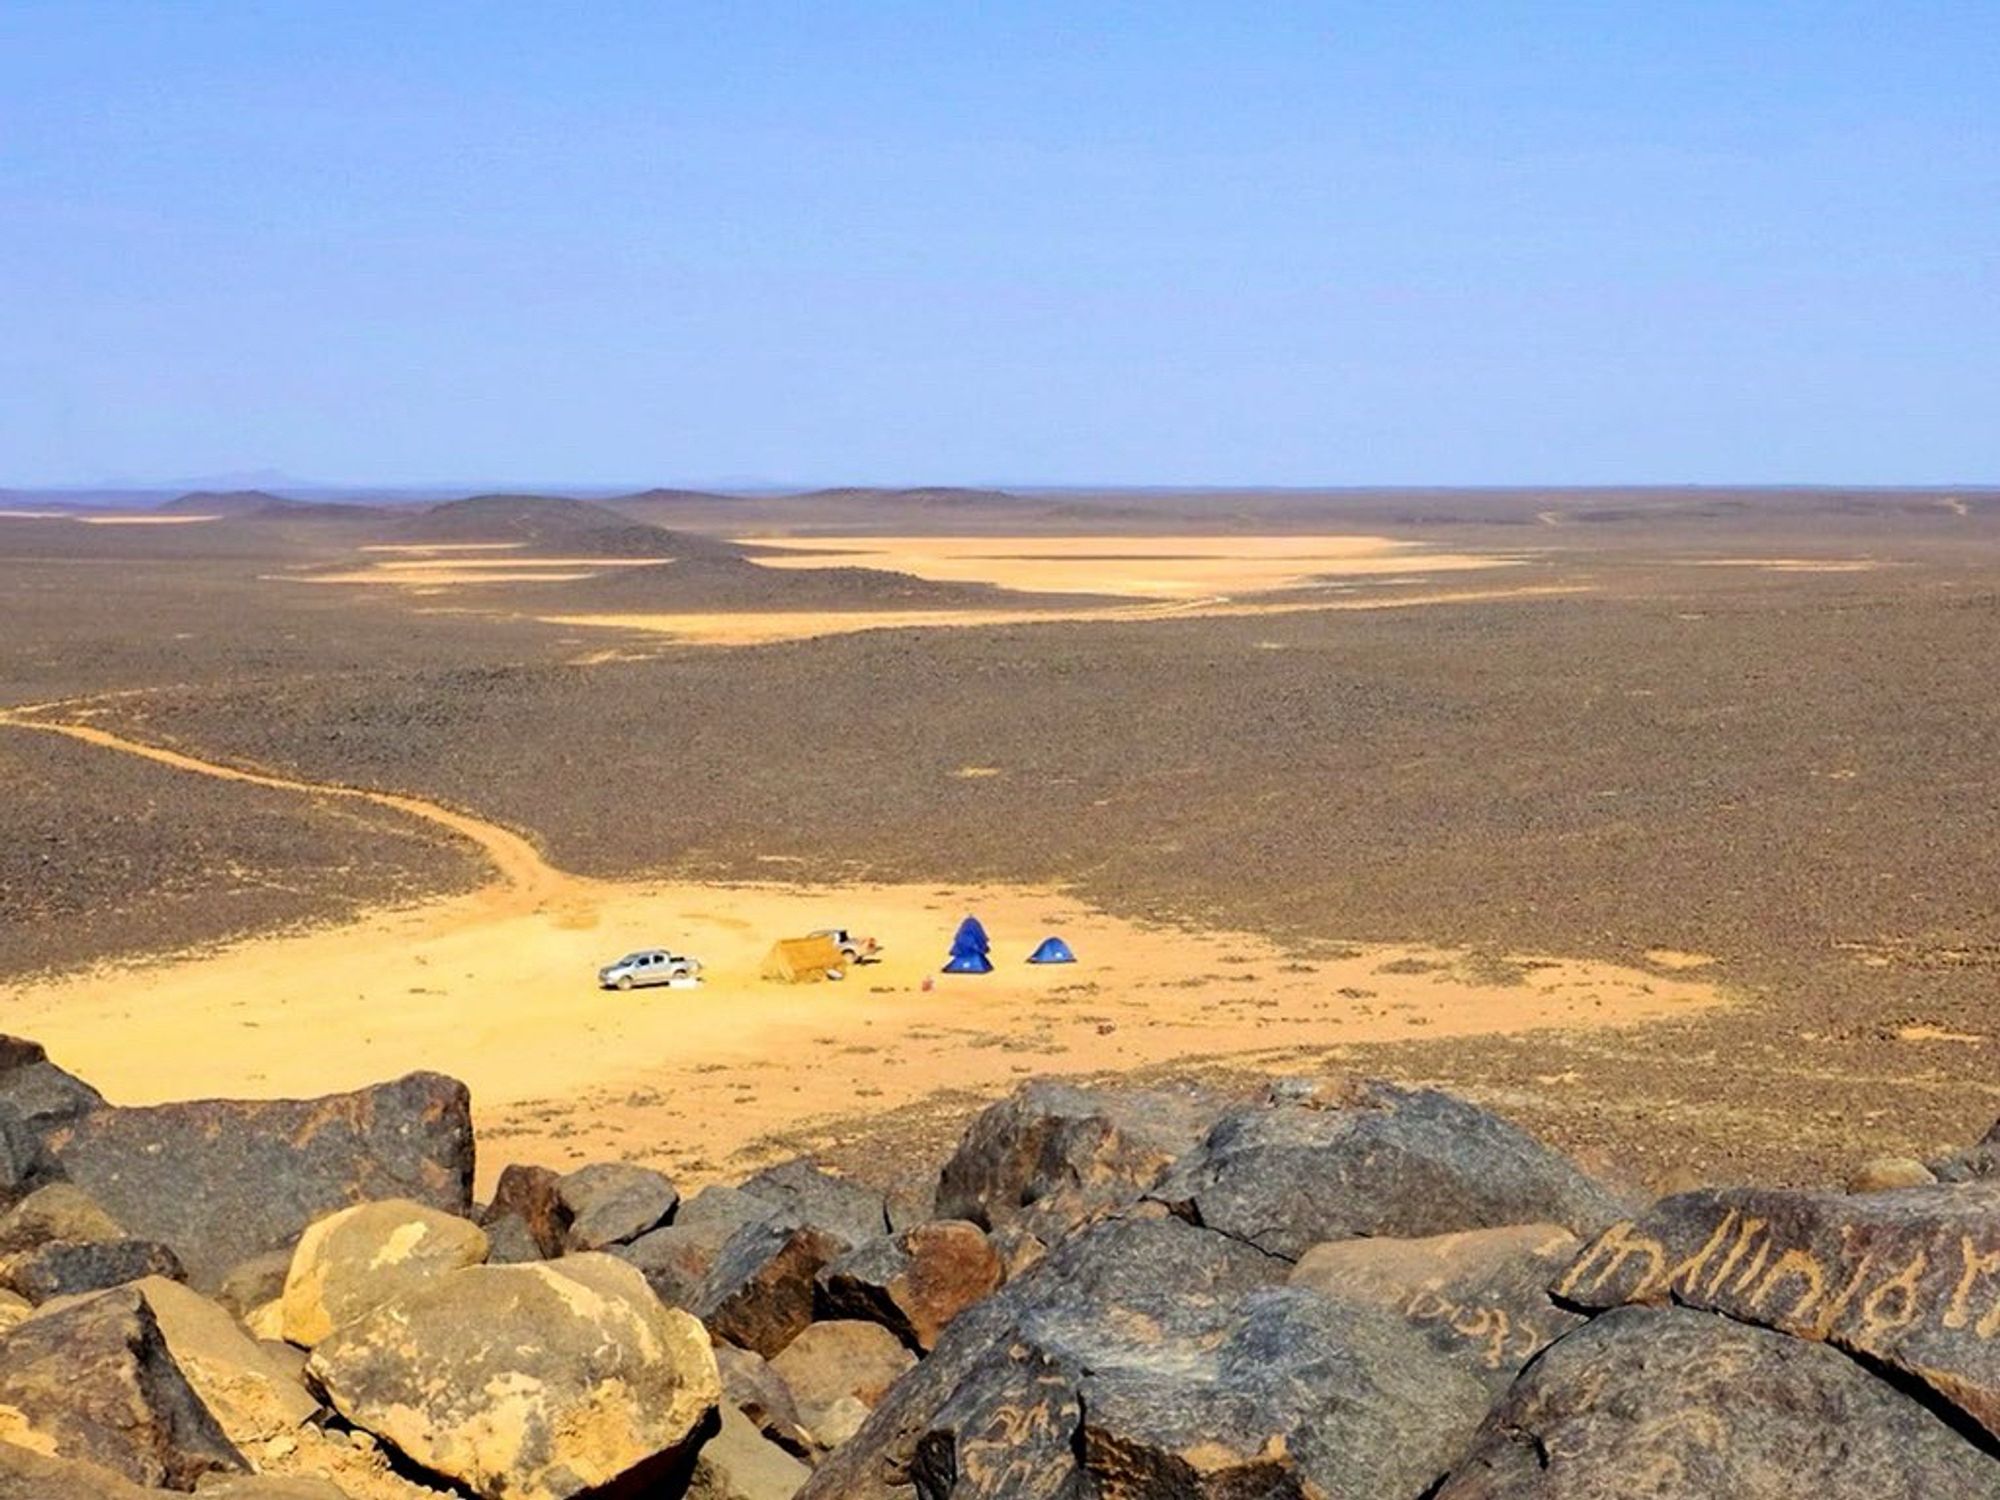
(1003, 242)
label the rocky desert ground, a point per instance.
(1642, 840)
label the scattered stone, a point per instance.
(59, 1211)
(1070, 1153)
(41, 1094)
(25, 1163)
(221, 1179)
(61, 1268)
(353, 1261)
(1018, 1249)
(253, 1282)
(14, 1310)
(1321, 1161)
(533, 1197)
(535, 1382)
(1681, 1405)
(805, 1195)
(740, 1463)
(613, 1203)
(916, 1282)
(840, 1361)
(1909, 1280)
(1481, 1297)
(94, 1382)
(759, 1292)
(753, 1388)
(1887, 1173)
(676, 1260)
(509, 1242)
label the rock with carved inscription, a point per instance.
(1316, 1161)
(1480, 1297)
(1146, 1356)
(1909, 1279)
(1673, 1404)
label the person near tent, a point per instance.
(970, 950)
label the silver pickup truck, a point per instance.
(647, 966)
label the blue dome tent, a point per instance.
(1052, 951)
(969, 949)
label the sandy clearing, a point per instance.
(1791, 564)
(1678, 959)
(440, 576)
(498, 988)
(1181, 567)
(773, 627)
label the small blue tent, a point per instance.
(969, 949)
(1053, 951)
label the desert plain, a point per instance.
(1662, 822)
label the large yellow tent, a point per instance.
(804, 960)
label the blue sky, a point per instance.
(1056, 243)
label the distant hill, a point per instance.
(244, 505)
(224, 503)
(554, 525)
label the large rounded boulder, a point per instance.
(529, 1382)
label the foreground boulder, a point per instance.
(529, 1382)
(799, 1193)
(915, 1283)
(1146, 1356)
(352, 1262)
(754, 1389)
(61, 1268)
(530, 1200)
(837, 1371)
(1682, 1405)
(1318, 1161)
(759, 1293)
(26, 1475)
(740, 1463)
(94, 1382)
(1909, 1278)
(1054, 1155)
(222, 1179)
(254, 1391)
(1481, 1297)
(41, 1094)
(613, 1203)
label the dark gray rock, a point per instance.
(94, 1382)
(42, 1094)
(800, 1193)
(63, 1268)
(1145, 1356)
(1058, 1154)
(25, 1163)
(751, 1386)
(1681, 1405)
(509, 1242)
(56, 1211)
(1908, 1278)
(533, 1196)
(222, 1179)
(676, 1260)
(913, 1283)
(613, 1203)
(759, 1293)
(251, 1283)
(1325, 1161)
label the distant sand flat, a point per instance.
(1147, 567)
(1792, 564)
(771, 627)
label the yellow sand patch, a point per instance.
(975, 773)
(425, 548)
(1791, 564)
(1928, 1033)
(771, 627)
(1181, 567)
(498, 988)
(1677, 959)
(455, 568)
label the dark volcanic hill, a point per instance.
(554, 525)
(921, 495)
(226, 503)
